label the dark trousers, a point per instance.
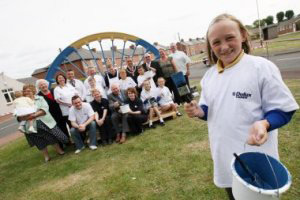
(119, 122)
(106, 130)
(187, 81)
(171, 85)
(229, 193)
(62, 125)
(135, 122)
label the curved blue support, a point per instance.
(148, 47)
(57, 62)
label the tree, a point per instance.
(256, 23)
(280, 16)
(269, 20)
(289, 14)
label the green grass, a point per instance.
(278, 45)
(171, 162)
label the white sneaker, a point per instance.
(32, 130)
(93, 147)
(22, 129)
(79, 150)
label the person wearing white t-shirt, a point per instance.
(243, 99)
(149, 98)
(165, 99)
(77, 84)
(98, 78)
(63, 94)
(82, 117)
(92, 86)
(143, 76)
(182, 62)
(126, 82)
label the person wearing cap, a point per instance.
(152, 65)
(182, 61)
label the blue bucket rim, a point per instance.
(260, 190)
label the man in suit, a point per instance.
(149, 64)
(119, 120)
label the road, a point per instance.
(289, 65)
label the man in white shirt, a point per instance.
(182, 61)
(99, 78)
(82, 118)
(77, 84)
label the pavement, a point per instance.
(287, 62)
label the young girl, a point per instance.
(165, 97)
(126, 82)
(24, 106)
(145, 76)
(148, 97)
(243, 98)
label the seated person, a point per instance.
(117, 99)
(165, 100)
(136, 115)
(125, 81)
(145, 76)
(82, 117)
(102, 117)
(148, 97)
(24, 106)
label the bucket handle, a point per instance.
(275, 177)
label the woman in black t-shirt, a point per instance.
(136, 115)
(102, 117)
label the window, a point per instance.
(9, 95)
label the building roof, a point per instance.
(286, 22)
(193, 41)
(28, 80)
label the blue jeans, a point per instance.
(76, 135)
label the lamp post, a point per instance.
(259, 26)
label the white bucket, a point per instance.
(263, 166)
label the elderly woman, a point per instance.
(48, 94)
(48, 132)
(136, 115)
(169, 68)
(63, 94)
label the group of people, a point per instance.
(116, 103)
(243, 99)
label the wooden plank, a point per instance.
(163, 115)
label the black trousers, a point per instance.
(106, 130)
(171, 85)
(135, 122)
(229, 193)
(62, 124)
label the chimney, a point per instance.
(182, 40)
(155, 43)
(190, 39)
(94, 50)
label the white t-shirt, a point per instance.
(79, 87)
(148, 74)
(65, 95)
(236, 99)
(82, 115)
(127, 83)
(165, 95)
(180, 59)
(148, 95)
(99, 81)
(90, 98)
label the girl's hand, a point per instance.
(193, 110)
(258, 134)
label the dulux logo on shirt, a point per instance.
(241, 95)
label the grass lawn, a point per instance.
(171, 162)
(278, 45)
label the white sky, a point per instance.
(33, 30)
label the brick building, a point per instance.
(192, 46)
